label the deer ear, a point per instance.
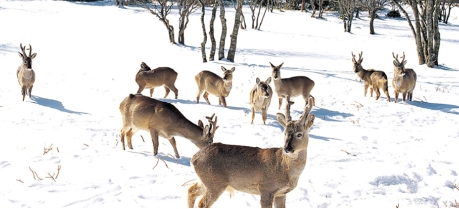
(33, 55)
(281, 119)
(233, 69)
(395, 63)
(200, 124)
(20, 55)
(268, 80)
(272, 65)
(309, 121)
(258, 80)
(224, 69)
(280, 65)
(206, 129)
(404, 62)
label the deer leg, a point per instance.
(396, 96)
(167, 91)
(378, 93)
(365, 89)
(253, 115)
(279, 201)
(199, 95)
(151, 92)
(211, 195)
(264, 114)
(193, 192)
(141, 88)
(280, 102)
(206, 97)
(122, 139)
(175, 90)
(154, 139)
(30, 92)
(404, 96)
(371, 91)
(386, 91)
(223, 100)
(174, 145)
(129, 135)
(266, 199)
(23, 92)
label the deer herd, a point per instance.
(271, 172)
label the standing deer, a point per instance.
(404, 79)
(161, 76)
(374, 79)
(293, 86)
(260, 98)
(25, 73)
(270, 173)
(210, 83)
(162, 119)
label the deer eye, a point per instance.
(299, 135)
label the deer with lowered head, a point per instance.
(404, 79)
(373, 79)
(293, 86)
(25, 73)
(270, 173)
(260, 98)
(147, 78)
(210, 83)
(162, 119)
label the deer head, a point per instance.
(357, 63)
(27, 59)
(228, 74)
(399, 66)
(276, 71)
(209, 130)
(296, 133)
(144, 67)
(262, 87)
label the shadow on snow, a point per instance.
(54, 104)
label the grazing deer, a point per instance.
(260, 98)
(161, 76)
(162, 119)
(210, 83)
(293, 86)
(25, 73)
(404, 79)
(270, 173)
(374, 79)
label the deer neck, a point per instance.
(294, 165)
(27, 73)
(398, 78)
(227, 85)
(278, 84)
(194, 133)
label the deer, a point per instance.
(293, 86)
(260, 98)
(210, 83)
(25, 73)
(373, 79)
(163, 119)
(161, 76)
(268, 172)
(404, 79)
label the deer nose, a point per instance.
(288, 149)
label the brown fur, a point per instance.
(293, 86)
(270, 173)
(371, 78)
(260, 98)
(210, 83)
(161, 76)
(161, 119)
(25, 73)
(404, 80)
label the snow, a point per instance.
(401, 153)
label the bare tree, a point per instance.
(313, 7)
(257, 5)
(211, 31)
(185, 8)
(203, 43)
(446, 7)
(346, 10)
(221, 48)
(373, 6)
(160, 9)
(237, 21)
(425, 31)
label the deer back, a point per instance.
(156, 77)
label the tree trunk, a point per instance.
(221, 47)
(203, 43)
(357, 13)
(263, 17)
(243, 25)
(313, 7)
(372, 19)
(212, 33)
(233, 43)
(258, 15)
(302, 5)
(433, 55)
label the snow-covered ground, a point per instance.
(402, 153)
